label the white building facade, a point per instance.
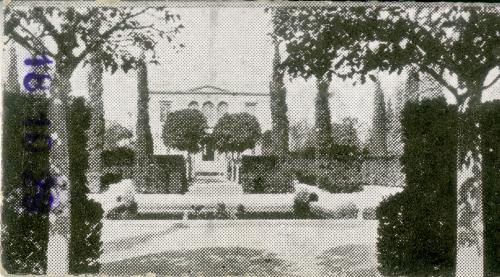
(213, 102)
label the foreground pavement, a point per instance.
(240, 247)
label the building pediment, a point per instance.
(210, 90)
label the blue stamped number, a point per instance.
(38, 199)
(35, 81)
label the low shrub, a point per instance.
(123, 212)
(327, 184)
(370, 213)
(120, 156)
(267, 215)
(110, 178)
(302, 204)
(221, 212)
(346, 211)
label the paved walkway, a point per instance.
(307, 247)
(214, 188)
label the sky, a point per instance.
(241, 60)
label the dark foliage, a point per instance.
(167, 175)
(257, 163)
(123, 212)
(267, 143)
(110, 178)
(490, 149)
(24, 233)
(263, 174)
(236, 132)
(417, 227)
(306, 178)
(279, 107)
(118, 157)
(334, 151)
(85, 222)
(337, 186)
(302, 204)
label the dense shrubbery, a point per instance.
(263, 174)
(110, 178)
(490, 149)
(302, 204)
(85, 222)
(168, 175)
(24, 234)
(335, 186)
(417, 229)
(335, 151)
(120, 156)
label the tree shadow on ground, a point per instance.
(208, 261)
(348, 260)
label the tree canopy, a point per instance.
(236, 132)
(115, 133)
(118, 34)
(448, 43)
(185, 130)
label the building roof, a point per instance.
(210, 90)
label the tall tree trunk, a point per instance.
(144, 140)
(323, 119)
(278, 107)
(190, 166)
(12, 81)
(96, 130)
(57, 252)
(470, 233)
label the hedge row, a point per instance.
(23, 253)
(86, 214)
(120, 156)
(167, 174)
(417, 227)
(490, 150)
(263, 174)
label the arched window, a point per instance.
(208, 111)
(193, 105)
(221, 109)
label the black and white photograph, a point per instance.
(241, 138)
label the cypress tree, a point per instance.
(278, 107)
(85, 221)
(144, 140)
(378, 140)
(323, 123)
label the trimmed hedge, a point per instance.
(110, 178)
(263, 174)
(417, 227)
(167, 174)
(332, 186)
(120, 156)
(24, 234)
(86, 214)
(490, 150)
